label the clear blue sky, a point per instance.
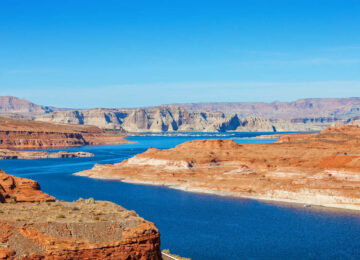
(128, 53)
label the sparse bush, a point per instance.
(60, 216)
(90, 201)
(167, 251)
(12, 199)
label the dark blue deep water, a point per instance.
(202, 226)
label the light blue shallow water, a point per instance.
(202, 226)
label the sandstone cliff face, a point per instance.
(79, 230)
(15, 189)
(25, 134)
(321, 169)
(300, 115)
(40, 228)
(158, 119)
(174, 119)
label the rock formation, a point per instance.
(174, 119)
(25, 134)
(40, 228)
(300, 115)
(320, 168)
(311, 108)
(9, 154)
(15, 189)
(14, 105)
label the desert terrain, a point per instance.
(315, 169)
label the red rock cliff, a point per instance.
(25, 134)
(85, 229)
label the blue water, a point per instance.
(202, 226)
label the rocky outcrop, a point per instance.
(9, 154)
(157, 119)
(15, 189)
(76, 230)
(300, 115)
(40, 228)
(321, 168)
(25, 134)
(14, 105)
(174, 119)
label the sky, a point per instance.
(130, 53)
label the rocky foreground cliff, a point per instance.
(35, 226)
(27, 134)
(320, 168)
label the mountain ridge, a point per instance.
(301, 115)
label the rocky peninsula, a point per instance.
(317, 169)
(26, 134)
(6, 154)
(35, 226)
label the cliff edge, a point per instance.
(35, 226)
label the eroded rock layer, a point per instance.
(8, 154)
(174, 119)
(76, 230)
(321, 168)
(24, 134)
(41, 228)
(16, 189)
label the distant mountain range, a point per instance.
(14, 105)
(300, 115)
(302, 108)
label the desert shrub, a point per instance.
(90, 201)
(167, 251)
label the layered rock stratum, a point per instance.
(300, 115)
(310, 108)
(319, 168)
(16, 189)
(6, 154)
(174, 119)
(35, 226)
(26, 134)
(15, 105)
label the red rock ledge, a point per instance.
(26, 134)
(86, 229)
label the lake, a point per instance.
(197, 225)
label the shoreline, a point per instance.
(176, 186)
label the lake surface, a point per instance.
(197, 225)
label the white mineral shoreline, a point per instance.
(178, 186)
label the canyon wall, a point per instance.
(26, 134)
(174, 119)
(300, 115)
